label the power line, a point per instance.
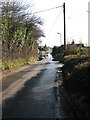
(47, 9)
(54, 22)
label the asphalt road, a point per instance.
(37, 92)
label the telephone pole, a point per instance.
(64, 27)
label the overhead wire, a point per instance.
(56, 17)
(48, 9)
(54, 23)
(31, 2)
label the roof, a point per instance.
(41, 48)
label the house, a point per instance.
(42, 52)
(74, 46)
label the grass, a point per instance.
(11, 64)
(76, 79)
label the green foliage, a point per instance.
(20, 32)
(54, 52)
(19, 38)
(79, 51)
(31, 59)
(88, 52)
(69, 52)
(16, 63)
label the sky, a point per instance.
(76, 20)
(89, 24)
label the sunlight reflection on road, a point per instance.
(47, 86)
(43, 90)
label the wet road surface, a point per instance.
(40, 96)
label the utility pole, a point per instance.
(64, 27)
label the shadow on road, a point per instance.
(42, 96)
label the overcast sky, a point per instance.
(76, 20)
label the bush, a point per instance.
(55, 52)
(69, 52)
(76, 81)
(10, 64)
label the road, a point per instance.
(36, 92)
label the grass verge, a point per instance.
(11, 64)
(76, 80)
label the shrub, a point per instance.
(10, 64)
(69, 52)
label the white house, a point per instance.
(42, 51)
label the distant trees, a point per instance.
(46, 48)
(20, 31)
(55, 52)
(71, 49)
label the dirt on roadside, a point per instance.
(14, 71)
